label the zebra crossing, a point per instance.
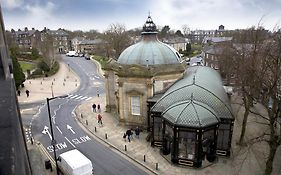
(78, 97)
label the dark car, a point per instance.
(87, 56)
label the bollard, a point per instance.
(86, 122)
(52, 83)
(64, 79)
(63, 84)
(75, 80)
(76, 84)
(95, 129)
(144, 158)
(156, 166)
(29, 82)
(81, 115)
(54, 79)
(41, 82)
(125, 147)
(105, 136)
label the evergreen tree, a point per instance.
(17, 70)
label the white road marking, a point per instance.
(70, 142)
(78, 97)
(88, 98)
(83, 98)
(59, 129)
(73, 96)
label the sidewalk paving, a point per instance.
(63, 82)
(248, 160)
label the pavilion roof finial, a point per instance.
(149, 25)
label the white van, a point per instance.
(74, 163)
(71, 53)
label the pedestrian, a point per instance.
(27, 93)
(129, 133)
(124, 136)
(137, 132)
(94, 107)
(99, 109)
(99, 119)
(18, 92)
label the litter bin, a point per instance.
(48, 164)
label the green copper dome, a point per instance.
(149, 51)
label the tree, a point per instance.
(257, 67)
(271, 95)
(17, 70)
(47, 49)
(186, 30)
(164, 32)
(178, 33)
(117, 39)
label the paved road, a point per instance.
(67, 132)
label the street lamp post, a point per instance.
(53, 143)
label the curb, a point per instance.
(113, 146)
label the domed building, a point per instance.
(141, 71)
(193, 118)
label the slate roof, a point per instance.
(203, 85)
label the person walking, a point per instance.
(99, 119)
(27, 93)
(137, 132)
(99, 109)
(124, 136)
(94, 107)
(18, 92)
(129, 133)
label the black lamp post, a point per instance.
(52, 133)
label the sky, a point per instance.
(99, 14)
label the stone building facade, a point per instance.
(142, 70)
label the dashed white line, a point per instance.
(59, 129)
(73, 96)
(88, 98)
(78, 97)
(84, 98)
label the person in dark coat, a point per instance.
(94, 107)
(99, 109)
(27, 93)
(18, 92)
(129, 133)
(137, 132)
(124, 136)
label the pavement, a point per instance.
(63, 82)
(248, 160)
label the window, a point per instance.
(135, 105)
(187, 145)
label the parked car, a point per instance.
(87, 56)
(76, 55)
(81, 54)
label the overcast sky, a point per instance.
(99, 14)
